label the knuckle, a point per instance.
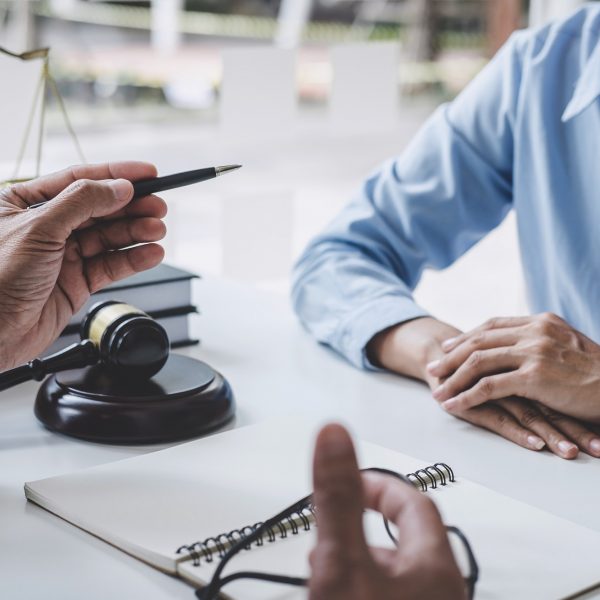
(475, 359)
(543, 346)
(537, 367)
(529, 417)
(477, 339)
(501, 419)
(485, 387)
(554, 418)
(575, 340)
(546, 322)
(491, 323)
(82, 186)
(16, 189)
(542, 327)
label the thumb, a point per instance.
(338, 493)
(82, 200)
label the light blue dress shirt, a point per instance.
(524, 135)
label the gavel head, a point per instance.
(130, 343)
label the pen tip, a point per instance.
(226, 168)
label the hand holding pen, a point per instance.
(88, 235)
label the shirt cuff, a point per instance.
(357, 330)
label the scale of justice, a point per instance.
(121, 384)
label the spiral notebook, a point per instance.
(177, 509)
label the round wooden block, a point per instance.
(186, 398)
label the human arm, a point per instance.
(448, 188)
(342, 564)
(55, 256)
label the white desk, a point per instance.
(275, 369)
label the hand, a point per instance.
(541, 358)
(55, 256)
(343, 566)
(410, 347)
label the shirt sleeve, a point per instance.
(451, 186)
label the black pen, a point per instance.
(145, 187)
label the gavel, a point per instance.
(123, 339)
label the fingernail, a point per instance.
(535, 442)
(450, 404)
(595, 445)
(566, 447)
(121, 188)
(434, 364)
(438, 392)
(448, 343)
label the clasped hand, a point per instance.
(541, 358)
(83, 239)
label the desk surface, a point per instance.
(276, 370)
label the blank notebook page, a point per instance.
(151, 505)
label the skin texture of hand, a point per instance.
(541, 358)
(55, 256)
(343, 566)
(412, 348)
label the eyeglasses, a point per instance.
(299, 509)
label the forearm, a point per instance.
(408, 347)
(344, 299)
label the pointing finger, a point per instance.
(338, 493)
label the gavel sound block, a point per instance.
(185, 399)
(121, 385)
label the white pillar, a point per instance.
(292, 19)
(543, 11)
(165, 25)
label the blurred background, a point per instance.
(309, 95)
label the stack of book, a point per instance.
(165, 293)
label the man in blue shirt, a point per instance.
(524, 135)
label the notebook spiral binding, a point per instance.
(213, 547)
(216, 547)
(432, 476)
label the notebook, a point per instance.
(158, 506)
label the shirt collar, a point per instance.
(587, 88)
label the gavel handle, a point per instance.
(15, 376)
(75, 356)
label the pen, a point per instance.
(146, 187)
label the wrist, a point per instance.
(407, 348)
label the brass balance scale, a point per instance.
(45, 82)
